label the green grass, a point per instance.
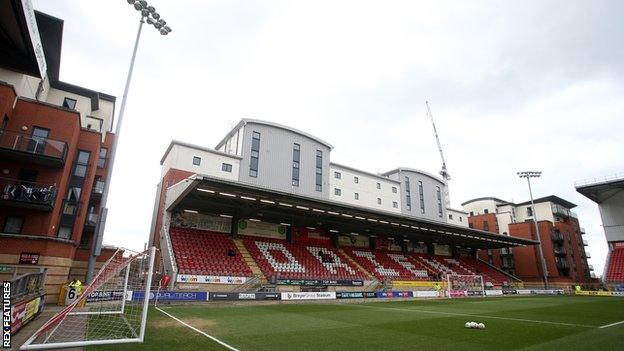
(512, 324)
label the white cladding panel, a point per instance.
(612, 213)
(479, 207)
(456, 217)
(543, 211)
(181, 157)
(24, 85)
(366, 188)
(431, 203)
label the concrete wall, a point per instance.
(181, 157)
(430, 195)
(612, 213)
(456, 217)
(366, 188)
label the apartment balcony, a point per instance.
(29, 195)
(22, 147)
(562, 264)
(560, 251)
(587, 255)
(582, 230)
(97, 190)
(91, 221)
(560, 211)
(591, 267)
(506, 252)
(556, 236)
(585, 243)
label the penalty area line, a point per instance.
(199, 331)
(486, 316)
(611, 325)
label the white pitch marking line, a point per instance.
(485, 316)
(611, 325)
(199, 331)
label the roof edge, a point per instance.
(193, 146)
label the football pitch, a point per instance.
(512, 323)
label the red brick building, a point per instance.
(55, 142)
(560, 235)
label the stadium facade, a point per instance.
(560, 235)
(608, 193)
(270, 195)
(55, 139)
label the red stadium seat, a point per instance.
(615, 266)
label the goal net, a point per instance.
(464, 285)
(111, 310)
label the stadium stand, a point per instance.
(278, 258)
(207, 253)
(489, 274)
(615, 266)
(388, 264)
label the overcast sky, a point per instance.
(526, 85)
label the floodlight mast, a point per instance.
(149, 15)
(444, 172)
(528, 175)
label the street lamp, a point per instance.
(149, 15)
(528, 175)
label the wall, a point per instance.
(456, 217)
(612, 213)
(366, 188)
(430, 196)
(276, 158)
(24, 85)
(542, 209)
(479, 207)
(181, 157)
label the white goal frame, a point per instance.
(111, 272)
(467, 285)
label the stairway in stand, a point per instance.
(354, 262)
(250, 261)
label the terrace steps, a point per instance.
(249, 260)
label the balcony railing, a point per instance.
(18, 193)
(506, 251)
(98, 187)
(582, 230)
(20, 146)
(560, 251)
(556, 236)
(591, 267)
(587, 254)
(585, 242)
(92, 219)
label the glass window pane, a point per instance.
(255, 144)
(83, 157)
(13, 225)
(64, 232)
(254, 163)
(80, 170)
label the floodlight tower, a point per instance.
(528, 175)
(149, 15)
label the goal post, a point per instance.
(111, 310)
(458, 285)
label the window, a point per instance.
(529, 211)
(13, 224)
(395, 204)
(69, 103)
(461, 219)
(378, 185)
(356, 196)
(378, 201)
(196, 160)
(64, 232)
(408, 195)
(82, 161)
(337, 192)
(295, 166)
(421, 193)
(102, 157)
(471, 213)
(319, 170)
(226, 167)
(451, 217)
(356, 180)
(470, 225)
(337, 175)
(38, 140)
(486, 211)
(394, 189)
(73, 194)
(439, 195)
(255, 153)
(486, 226)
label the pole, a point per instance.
(539, 240)
(99, 230)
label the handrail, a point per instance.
(32, 144)
(599, 180)
(23, 191)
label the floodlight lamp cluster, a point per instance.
(529, 174)
(151, 16)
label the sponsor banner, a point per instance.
(600, 293)
(354, 240)
(547, 292)
(244, 296)
(171, 295)
(494, 292)
(425, 293)
(356, 295)
(209, 279)
(201, 221)
(110, 295)
(474, 293)
(31, 309)
(393, 294)
(29, 258)
(318, 295)
(457, 293)
(307, 282)
(417, 284)
(510, 292)
(523, 292)
(263, 229)
(311, 236)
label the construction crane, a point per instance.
(444, 172)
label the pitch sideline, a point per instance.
(229, 347)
